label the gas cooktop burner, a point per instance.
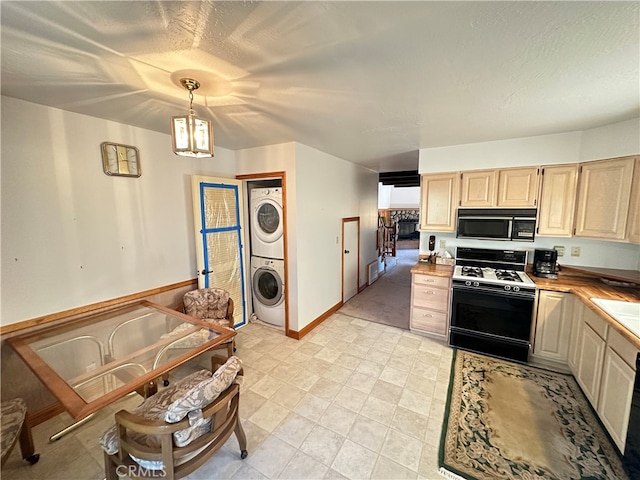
(472, 272)
(507, 275)
(486, 268)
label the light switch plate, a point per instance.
(560, 250)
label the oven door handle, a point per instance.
(497, 293)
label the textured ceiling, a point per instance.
(370, 82)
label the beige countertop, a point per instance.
(586, 287)
(433, 269)
(577, 281)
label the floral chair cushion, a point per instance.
(207, 303)
(12, 415)
(184, 398)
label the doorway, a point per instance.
(350, 257)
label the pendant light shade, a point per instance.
(191, 136)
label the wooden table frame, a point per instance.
(77, 407)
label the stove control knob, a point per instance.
(476, 284)
(507, 287)
(467, 283)
(516, 289)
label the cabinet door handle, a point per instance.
(427, 315)
(429, 292)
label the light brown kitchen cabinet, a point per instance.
(517, 187)
(430, 304)
(604, 190)
(479, 188)
(439, 200)
(505, 188)
(633, 222)
(616, 391)
(557, 200)
(554, 317)
(591, 354)
(576, 336)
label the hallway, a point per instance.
(388, 299)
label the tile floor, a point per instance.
(353, 399)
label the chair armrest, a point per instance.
(229, 316)
(179, 307)
(217, 361)
(147, 426)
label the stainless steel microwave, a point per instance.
(497, 224)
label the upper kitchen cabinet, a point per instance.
(439, 198)
(557, 200)
(603, 198)
(633, 224)
(479, 188)
(507, 188)
(517, 187)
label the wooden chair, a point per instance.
(14, 426)
(213, 305)
(161, 457)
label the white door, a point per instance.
(219, 234)
(350, 257)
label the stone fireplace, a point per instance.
(407, 221)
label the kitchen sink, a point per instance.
(626, 313)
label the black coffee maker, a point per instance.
(545, 263)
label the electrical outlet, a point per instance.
(575, 251)
(443, 244)
(560, 250)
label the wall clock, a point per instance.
(120, 160)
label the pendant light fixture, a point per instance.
(191, 136)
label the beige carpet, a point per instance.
(388, 299)
(511, 421)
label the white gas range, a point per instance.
(513, 280)
(492, 302)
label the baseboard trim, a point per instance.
(14, 327)
(299, 334)
(44, 414)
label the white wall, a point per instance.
(616, 140)
(593, 253)
(279, 158)
(384, 196)
(405, 197)
(516, 152)
(398, 197)
(73, 236)
(604, 142)
(329, 189)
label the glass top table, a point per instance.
(93, 361)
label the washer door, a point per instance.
(267, 220)
(267, 287)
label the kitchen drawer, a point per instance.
(427, 296)
(429, 321)
(596, 322)
(623, 348)
(430, 280)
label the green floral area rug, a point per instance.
(510, 421)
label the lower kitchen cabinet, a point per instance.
(603, 363)
(616, 392)
(430, 304)
(576, 336)
(554, 319)
(590, 358)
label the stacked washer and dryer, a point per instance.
(267, 255)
